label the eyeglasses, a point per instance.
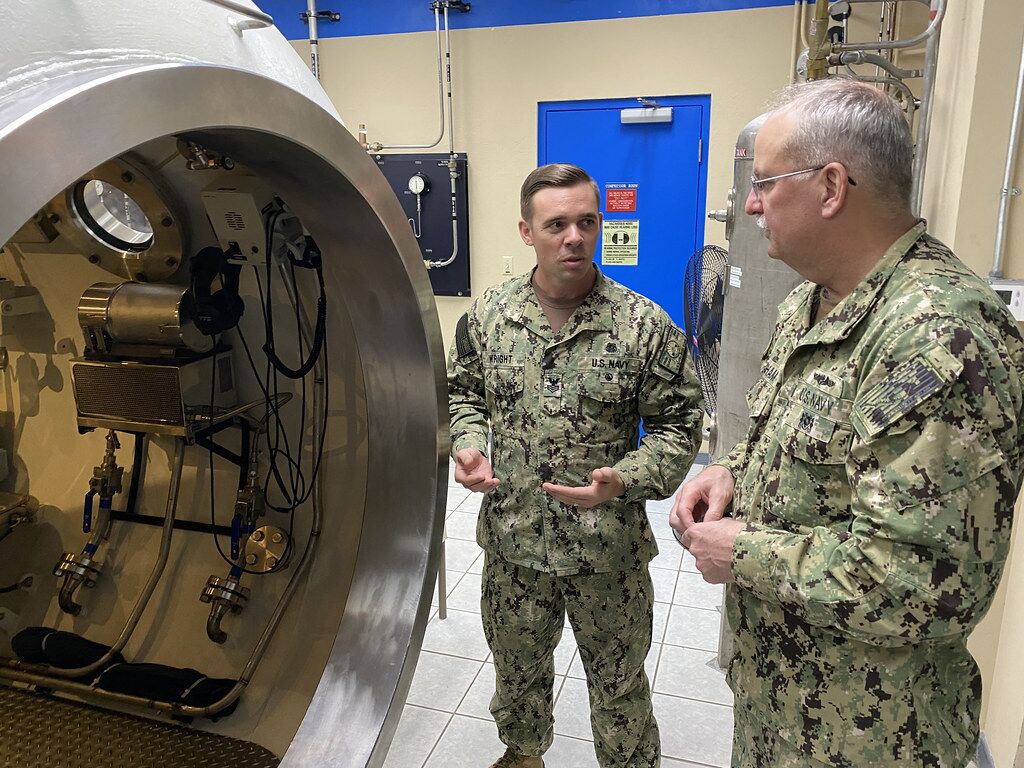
(761, 186)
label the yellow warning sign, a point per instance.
(620, 242)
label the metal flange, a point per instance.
(265, 548)
(80, 566)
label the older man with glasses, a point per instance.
(873, 496)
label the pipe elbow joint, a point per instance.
(213, 630)
(66, 597)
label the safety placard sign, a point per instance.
(620, 242)
(620, 198)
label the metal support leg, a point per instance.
(442, 582)
(726, 640)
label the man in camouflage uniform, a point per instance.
(560, 365)
(875, 490)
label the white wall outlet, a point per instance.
(1012, 294)
(507, 266)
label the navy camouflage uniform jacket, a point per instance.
(561, 405)
(878, 479)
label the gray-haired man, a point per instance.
(875, 490)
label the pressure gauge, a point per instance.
(418, 184)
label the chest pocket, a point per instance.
(505, 387)
(816, 427)
(812, 488)
(608, 386)
(814, 438)
(607, 406)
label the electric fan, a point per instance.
(703, 299)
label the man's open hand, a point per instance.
(606, 485)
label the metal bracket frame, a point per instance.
(203, 439)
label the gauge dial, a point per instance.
(418, 184)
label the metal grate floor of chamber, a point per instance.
(42, 732)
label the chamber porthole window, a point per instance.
(111, 216)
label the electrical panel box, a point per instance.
(422, 184)
(1012, 294)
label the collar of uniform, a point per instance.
(595, 313)
(842, 320)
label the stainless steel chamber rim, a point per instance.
(382, 314)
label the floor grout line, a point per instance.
(690, 698)
(698, 607)
(451, 716)
(471, 684)
(454, 656)
(657, 667)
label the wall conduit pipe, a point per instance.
(937, 13)
(861, 57)
(909, 98)
(452, 172)
(440, 95)
(803, 24)
(819, 45)
(797, 19)
(314, 39)
(924, 118)
(1008, 189)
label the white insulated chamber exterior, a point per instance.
(86, 81)
(50, 44)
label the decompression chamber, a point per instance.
(225, 418)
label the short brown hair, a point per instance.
(553, 175)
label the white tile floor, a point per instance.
(446, 723)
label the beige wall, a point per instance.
(389, 83)
(979, 62)
(740, 58)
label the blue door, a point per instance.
(653, 183)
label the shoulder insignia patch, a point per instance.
(672, 355)
(463, 343)
(906, 387)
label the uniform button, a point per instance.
(548, 362)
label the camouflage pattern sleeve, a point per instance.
(670, 404)
(931, 466)
(735, 459)
(467, 407)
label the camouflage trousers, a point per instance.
(611, 615)
(756, 743)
